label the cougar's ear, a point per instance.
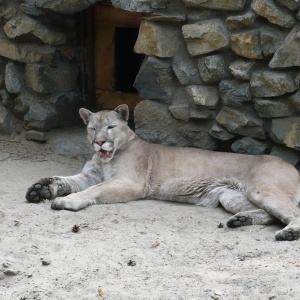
(123, 111)
(85, 114)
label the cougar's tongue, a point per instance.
(105, 154)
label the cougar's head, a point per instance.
(108, 131)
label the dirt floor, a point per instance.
(138, 250)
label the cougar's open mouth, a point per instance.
(104, 154)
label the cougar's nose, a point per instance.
(99, 142)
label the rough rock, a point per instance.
(6, 98)
(202, 113)
(242, 69)
(206, 36)
(26, 52)
(14, 77)
(241, 21)
(217, 4)
(181, 105)
(288, 54)
(269, 83)
(290, 4)
(289, 155)
(21, 24)
(286, 131)
(248, 145)
(273, 108)
(5, 121)
(294, 99)
(235, 93)
(241, 122)
(213, 68)
(39, 116)
(45, 79)
(204, 95)
(270, 39)
(247, 44)
(221, 133)
(155, 123)
(2, 72)
(43, 112)
(140, 6)
(273, 13)
(29, 8)
(34, 135)
(65, 7)
(155, 79)
(257, 43)
(158, 39)
(202, 14)
(185, 68)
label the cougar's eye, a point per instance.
(111, 126)
(91, 129)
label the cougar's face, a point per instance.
(106, 134)
(107, 130)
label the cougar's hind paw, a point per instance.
(287, 234)
(239, 220)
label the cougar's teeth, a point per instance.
(107, 152)
(100, 153)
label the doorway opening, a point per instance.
(115, 63)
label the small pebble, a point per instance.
(46, 262)
(10, 272)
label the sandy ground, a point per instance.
(138, 250)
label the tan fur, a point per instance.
(256, 189)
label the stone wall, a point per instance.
(221, 74)
(217, 74)
(39, 64)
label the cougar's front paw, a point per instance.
(71, 202)
(40, 191)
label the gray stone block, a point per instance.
(242, 69)
(241, 21)
(34, 135)
(289, 155)
(235, 93)
(213, 68)
(286, 131)
(294, 99)
(155, 123)
(273, 108)
(26, 52)
(206, 36)
(155, 80)
(288, 54)
(221, 133)
(6, 99)
(14, 77)
(185, 68)
(45, 79)
(273, 13)
(217, 4)
(65, 7)
(21, 24)
(269, 83)
(204, 95)
(158, 39)
(5, 121)
(241, 122)
(248, 145)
